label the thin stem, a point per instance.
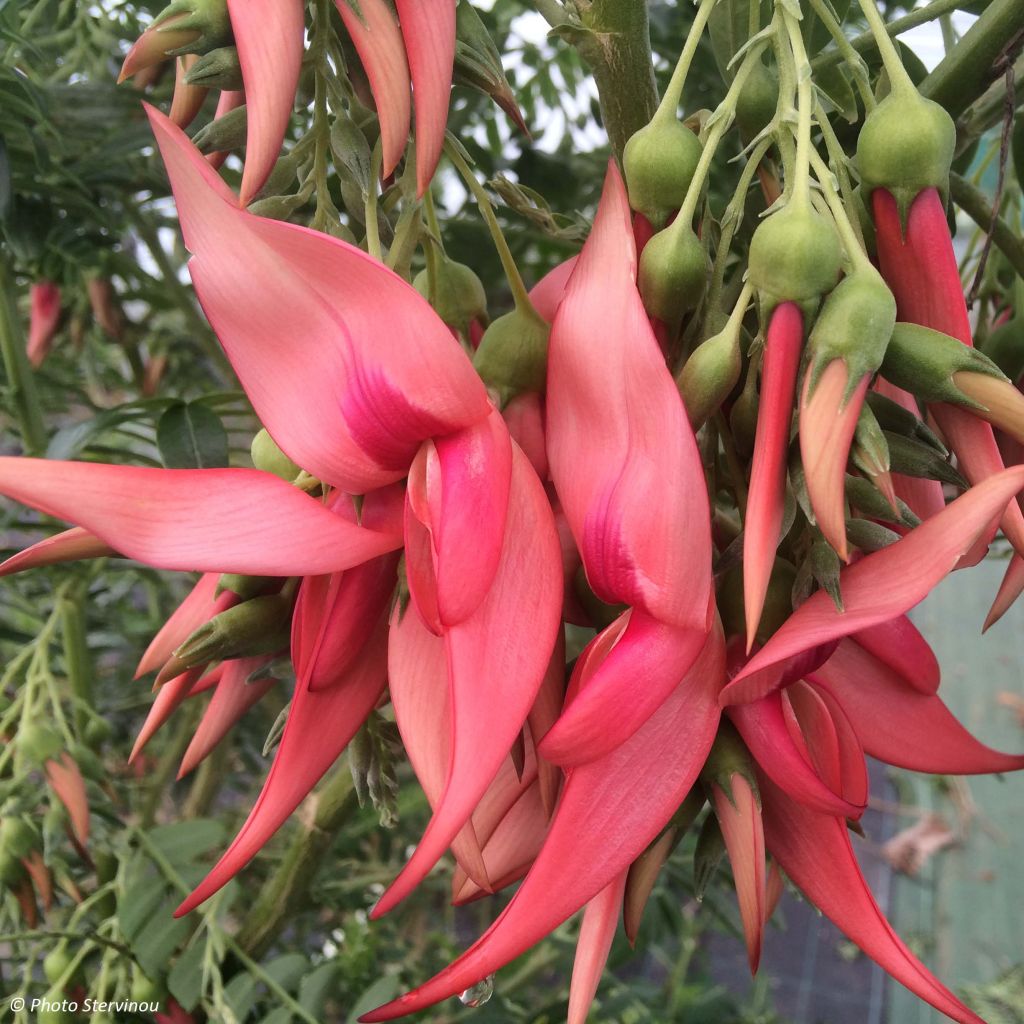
(898, 77)
(976, 205)
(520, 295)
(837, 160)
(669, 106)
(853, 59)
(851, 240)
(22, 385)
(373, 246)
(805, 105)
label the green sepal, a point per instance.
(267, 456)
(923, 362)
(911, 457)
(869, 536)
(825, 566)
(207, 17)
(728, 757)
(865, 497)
(870, 450)
(708, 854)
(246, 587)
(894, 418)
(458, 298)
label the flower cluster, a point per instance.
(422, 522)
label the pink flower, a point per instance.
(44, 301)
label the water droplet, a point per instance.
(479, 993)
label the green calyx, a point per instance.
(869, 451)
(1005, 347)
(855, 325)
(18, 836)
(659, 162)
(39, 743)
(458, 294)
(923, 362)
(513, 354)
(869, 536)
(208, 18)
(778, 605)
(259, 626)
(866, 498)
(906, 146)
(824, 566)
(267, 456)
(246, 587)
(218, 69)
(728, 757)
(710, 374)
(673, 274)
(795, 256)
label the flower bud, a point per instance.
(267, 456)
(459, 296)
(673, 274)
(756, 103)
(728, 757)
(905, 147)
(1005, 347)
(870, 451)
(227, 132)
(824, 566)
(869, 536)
(246, 587)
(38, 742)
(218, 69)
(513, 354)
(855, 324)
(743, 417)
(866, 498)
(184, 26)
(794, 257)
(710, 374)
(924, 362)
(910, 457)
(259, 626)
(18, 837)
(659, 162)
(44, 300)
(893, 418)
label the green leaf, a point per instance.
(186, 978)
(191, 436)
(159, 937)
(314, 987)
(184, 842)
(383, 990)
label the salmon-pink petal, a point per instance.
(920, 267)
(44, 315)
(1010, 589)
(544, 713)
(546, 294)
(497, 659)
(739, 817)
(168, 698)
(42, 880)
(428, 28)
(269, 36)
(72, 545)
(603, 822)
(827, 422)
(346, 364)
(600, 919)
(900, 645)
(762, 724)
(188, 99)
(378, 41)
(902, 726)
(814, 851)
(622, 454)
(524, 416)
(642, 877)
(196, 520)
(320, 725)
(766, 497)
(65, 779)
(612, 706)
(883, 584)
(232, 698)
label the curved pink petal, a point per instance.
(187, 100)
(814, 851)
(600, 919)
(1010, 589)
(320, 725)
(622, 454)
(544, 713)
(524, 416)
(204, 520)
(612, 706)
(72, 545)
(65, 779)
(739, 816)
(546, 294)
(44, 316)
(232, 698)
(269, 35)
(346, 364)
(428, 28)
(921, 269)
(900, 645)
(165, 703)
(785, 757)
(766, 498)
(882, 585)
(827, 422)
(603, 822)
(378, 41)
(902, 726)
(497, 659)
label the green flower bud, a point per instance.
(869, 451)
(57, 962)
(855, 325)
(923, 362)
(756, 103)
(906, 146)
(227, 132)
(794, 257)
(247, 587)
(259, 626)
(18, 837)
(459, 297)
(707, 855)
(97, 732)
(825, 566)
(892, 417)
(743, 419)
(513, 354)
(38, 742)
(11, 869)
(911, 457)
(209, 18)
(673, 274)
(1005, 347)
(268, 457)
(659, 162)
(710, 374)
(218, 69)
(866, 498)
(869, 536)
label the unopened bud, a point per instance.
(866, 498)
(894, 418)
(458, 295)
(756, 103)
(218, 69)
(259, 626)
(869, 536)
(711, 373)
(659, 162)
(824, 566)
(267, 456)
(513, 353)
(227, 132)
(910, 457)
(673, 274)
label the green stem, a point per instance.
(898, 77)
(21, 383)
(616, 46)
(851, 240)
(281, 897)
(854, 61)
(372, 227)
(978, 58)
(976, 205)
(520, 295)
(77, 662)
(669, 106)
(805, 106)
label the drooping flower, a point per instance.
(44, 316)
